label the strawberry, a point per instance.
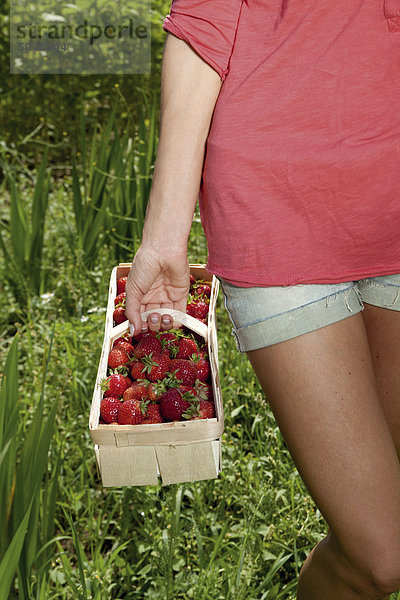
(187, 347)
(137, 391)
(169, 340)
(156, 389)
(130, 413)
(115, 385)
(185, 370)
(138, 370)
(203, 390)
(202, 366)
(191, 308)
(192, 280)
(119, 315)
(120, 299)
(203, 290)
(109, 408)
(139, 336)
(124, 338)
(157, 366)
(199, 309)
(148, 345)
(188, 388)
(117, 357)
(174, 403)
(153, 415)
(126, 346)
(204, 410)
(121, 284)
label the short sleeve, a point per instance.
(392, 13)
(208, 26)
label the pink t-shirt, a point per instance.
(301, 178)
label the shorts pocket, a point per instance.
(391, 8)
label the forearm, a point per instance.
(189, 90)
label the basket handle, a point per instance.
(178, 316)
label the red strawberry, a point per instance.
(138, 370)
(191, 308)
(188, 388)
(125, 338)
(119, 315)
(203, 290)
(153, 415)
(204, 410)
(126, 346)
(148, 345)
(203, 390)
(157, 389)
(109, 408)
(187, 347)
(136, 391)
(120, 299)
(130, 413)
(117, 357)
(201, 309)
(192, 280)
(169, 340)
(121, 283)
(202, 366)
(157, 366)
(115, 385)
(174, 403)
(186, 370)
(139, 336)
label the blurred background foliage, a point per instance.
(39, 110)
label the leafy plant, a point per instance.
(26, 504)
(23, 235)
(111, 185)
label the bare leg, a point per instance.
(383, 330)
(321, 387)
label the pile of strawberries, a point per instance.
(158, 377)
(197, 302)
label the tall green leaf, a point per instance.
(9, 562)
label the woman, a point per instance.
(284, 115)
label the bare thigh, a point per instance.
(322, 389)
(383, 331)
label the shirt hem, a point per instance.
(291, 279)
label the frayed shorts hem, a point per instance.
(257, 325)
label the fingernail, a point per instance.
(131, 329)
(166, 320)
(154, 320)
(144, 326)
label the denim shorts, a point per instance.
(262, 316)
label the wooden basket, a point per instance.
(179, 451)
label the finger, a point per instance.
(167, 322)
(154, 321)
(133, 314)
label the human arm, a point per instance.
(159, 276)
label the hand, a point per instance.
(156, 280)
